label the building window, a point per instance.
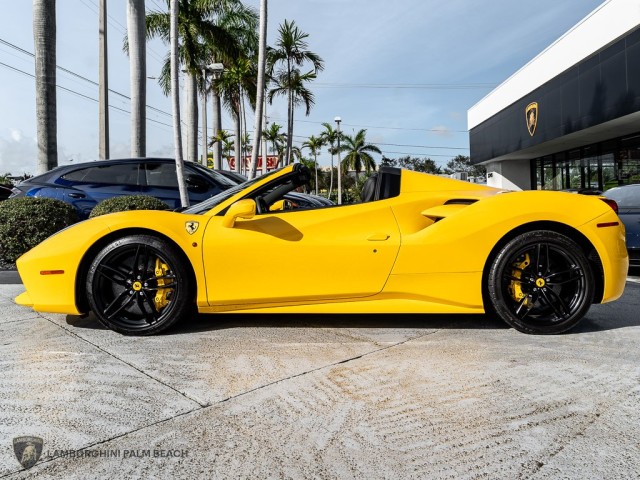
(598, 167)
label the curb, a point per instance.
(9, 277)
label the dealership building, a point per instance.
(570, 118)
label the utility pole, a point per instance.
(103, 98)
(338, 120)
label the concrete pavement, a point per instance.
(412, 396)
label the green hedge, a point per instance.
(27, 221)
(128, 202)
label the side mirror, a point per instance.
(241, 209)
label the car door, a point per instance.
(301, 255)
(89, 186)
(162, 183)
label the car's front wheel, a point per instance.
(541, 282)
(139, 285)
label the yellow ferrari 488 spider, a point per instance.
(416, 243)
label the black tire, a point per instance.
(541, 283)
(139, 285)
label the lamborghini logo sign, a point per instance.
(27, 450)
(531, 113)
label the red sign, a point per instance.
(272, 161)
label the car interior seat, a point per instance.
(368, 193)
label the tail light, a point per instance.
(611, 203)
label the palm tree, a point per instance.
(291, 52)
(260, 88)
(44, 39)
(221, 137)
(227, 146)
(314, 144)
(238, 81)
(330, 137)
(292, 85)
(243, 23)
(246, 144)
(296, 152)
(358, 153)
(208, 29)
(277, 139)
(136, 26)
(175, 97)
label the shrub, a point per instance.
(27, 221)
(128, 202)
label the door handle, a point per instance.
(378, 237)
(77, 195)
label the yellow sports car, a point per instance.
(416, 243)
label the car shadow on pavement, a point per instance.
(364, 321)
(605, 317)
(225, 321)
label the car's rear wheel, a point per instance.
(139, 285)
(541, 282)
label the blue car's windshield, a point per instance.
(209, 203)
(221, 179)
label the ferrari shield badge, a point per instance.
(531, 113)
(27, 450)
(191, 227)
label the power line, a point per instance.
(418, 86)
(81, 94)
(437, 130)
(77, 75)
(118, 26)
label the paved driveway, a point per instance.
(322, 397)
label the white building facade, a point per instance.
(570, 118)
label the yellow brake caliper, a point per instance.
(515, 287)
(163, 295)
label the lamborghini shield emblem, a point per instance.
(27, 450)
(191, 227)
(531, 113)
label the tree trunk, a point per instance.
(175, 100)
(217, 127)
(315, 158)
(136, 27)
(289, 128)
(191, 93)
(103, 96)
(238, 142)
(257, 130)
(44, 39)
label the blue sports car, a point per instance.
(628, 199)
(84, 185)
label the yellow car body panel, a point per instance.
(332, 253)
(423, 251)
(66, 250)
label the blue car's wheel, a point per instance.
(541, 282)
(138, 285)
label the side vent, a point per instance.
(461, 201)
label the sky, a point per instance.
(406, 71)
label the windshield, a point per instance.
(208, 204)
(221, 179)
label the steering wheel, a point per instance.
(261, 205)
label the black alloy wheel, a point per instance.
(541, 283)
(138, 285)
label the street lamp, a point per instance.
(338, 120)
(216, 69)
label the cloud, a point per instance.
(18, 153)
(441, 131)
